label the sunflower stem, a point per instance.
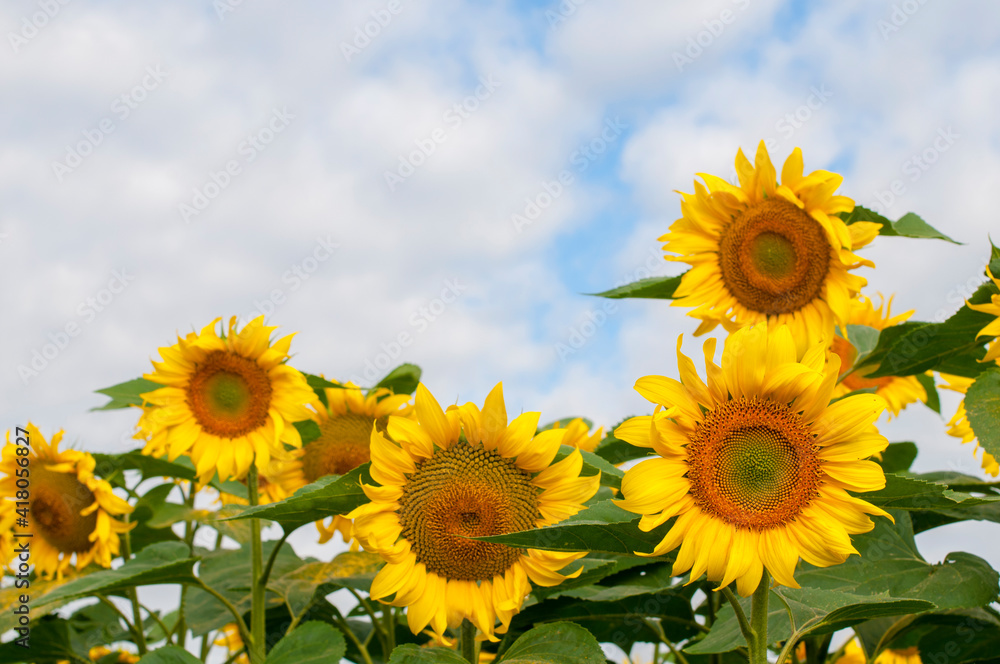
(133, 596)
(256, 647)
(390, 627)
(469, 642)
(758, 621)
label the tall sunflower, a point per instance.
(898, 391)
(768, 251)
(459, 474)
(71, 512)
(756, 464)
(227, 401)
(345, 426)
(959, 427)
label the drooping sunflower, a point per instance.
(898, 391)
(71, 512)
(993, 328)
(578, 435)
(345, 425)
(227, 401)
(769, 251)
(959, 427)
(756, 463)
(459, 474)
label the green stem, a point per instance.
(181, 627)
(390, 628)
(206, 645)
(274, 556)
(166, 632)
(377, 627)
(257, 647)
(741, 616)
(758, 621)
(133, 595)
(469, 642)
(121, 614)
(349, 633)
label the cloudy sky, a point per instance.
(441, 186)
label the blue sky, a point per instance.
(893, 77)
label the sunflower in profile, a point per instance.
(345, 431)
(71, 512)
(959, 426)
(993, 328)
(578, 435)
(756, 464)
(226, 401)
(898, 391)
(461, 474)
(769, 251)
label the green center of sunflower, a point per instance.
(753, 463)
(56, 502)
(229, 394)
(466, 491)
(774, 258)
(343, 445)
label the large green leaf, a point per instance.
(659, 288)
(325, 497)
(304, 585)
(309, 643)
(933, 398)
(898, 457)
(964, 638)
(909, 225)
(982, 404)
(950, 347)
(166, 562)
(911, 493)
(111, 465)
(169, 655)
(51, 640)
(595, 567)
(402, 380)
(124, 395)
(593, 464)
(557, 643)
(602, 527)
(411, 654)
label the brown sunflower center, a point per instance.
(753, 463)
(229, 394)
(462, 492)
(774, 258)
(856, 380)
(56, 501)
(343, 445)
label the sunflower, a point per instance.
(898, 391)
(466, 473)
(70, 511)
(578, 435)
(756, 464)
(230, 639)
(993, 329)
(442, 641)
(227, 401)
(959, 426)
(853, 654)
(8, 517)
(345, 426)
(99, 652)
(764, 251)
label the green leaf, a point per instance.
(933, 400)
(402, 380)
(10, 597)
(50, 640)
(602, 527)
(823, 610)
(909, 225)
(557, 643)
(325, 497)
(411, 654)
(310, 643)
(319, 385)
(596, 566)
(303, 586)
(911, 493)
(659, 288)
(593, 464)
(308, 431)
(982, 405)
(898, 457)
(124, 395)
(966, 638)
(166, 562)
(864, 339)
(169, 655)
(108, 466)
(616, 451)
